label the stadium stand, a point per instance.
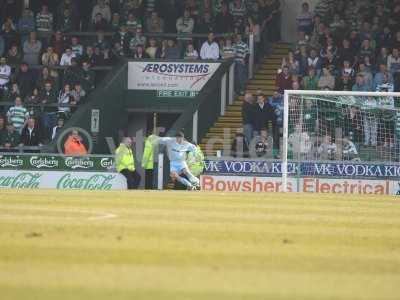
(53, 55)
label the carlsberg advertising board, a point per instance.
(100, 181)
(56, 162)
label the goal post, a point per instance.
(340, 126)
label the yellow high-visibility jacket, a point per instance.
(124, 158)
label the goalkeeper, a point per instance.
(177, 148)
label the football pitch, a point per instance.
(197, 245)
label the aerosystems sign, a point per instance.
(215, 183)
(169, 76)
(100, 181)
(303, 169)
(53, 163)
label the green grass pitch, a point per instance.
(188, 245)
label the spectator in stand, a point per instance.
(76, 47)
(132, 23)
(31, 135)
(64, 100)
(326, 80)
(184, 26)
(393, 62)
(10, 137)
(382, 57)
(344, 83)
(315, 61)
(224, 22)
(361, 85)
(241, 54)
(101, 41)
(347, 69)
(99, 23)
(140, 53)
(14, 55)
(103, 9)
(58, 43)
(227, 50)
(346, 52)
(17, 114)
(26, 23)
(115, 22)
(248, 115)
(32, 48)
(238, 10)
(380, 75)
(191, 53)
(386, 85)
(305, 19)
(328, 149)
(50, 58)
(137, 40)
(10, 36)
(88, 77)
(66, 22)
(172, 51)
(209, 49)
(25, 79)
(154, 23)
(5, 74)
(72, 73)
(153, 51)
(56, 129)
(78, 94)
(310, 82)
(283, 80)
(74, 144)
(206, 24)
(92, 56)
(67, 56)
(276, 101)
(292, 63)
(366, 73)
(123, 37)
(48, 96)
(12, 93)
(44, 20)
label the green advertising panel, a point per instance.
(56, 163)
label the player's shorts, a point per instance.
(177, 166)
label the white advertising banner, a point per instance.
(102, 181)
(307, 185)
(173, 76)
(245, 184)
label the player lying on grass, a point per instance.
(177, 149)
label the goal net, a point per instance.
(326, 126)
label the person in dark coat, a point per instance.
(265, 119)
(30, 135)
(26, 80)
(248, 113)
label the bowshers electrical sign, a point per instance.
(307, 185)
(172, 76)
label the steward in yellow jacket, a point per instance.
(125, 163)
(148, 161)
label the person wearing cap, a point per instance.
(177, 149)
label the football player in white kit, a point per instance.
(177, 149)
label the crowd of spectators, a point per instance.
(46, 62)
(345, 46)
